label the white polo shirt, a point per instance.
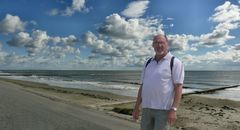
(157, 82)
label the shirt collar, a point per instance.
(166, 57)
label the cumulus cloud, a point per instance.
(126, 47)
(228, 18)
(219, 57)
(13, 59)
(42, 53)
(20, 40)
(77, 6)
(132, 48)
(189, 59)
(227, 15)
(217, 37)
(98, 45)
(179, 42)
(38, 40)
(119, 52)
(70, 40)
(121, 42)
(116, 26)
(11, 24)
(124, 35)
(2, 54)
(60, 52)
(216, 55)
(237, 47)
(136, 9)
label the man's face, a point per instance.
(160, 45)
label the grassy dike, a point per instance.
(88, 98)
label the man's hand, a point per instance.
(135, 114)
(172, 116)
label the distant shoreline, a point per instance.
(189, 90)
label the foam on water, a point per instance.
(4, 74)
(190, 90)
(231, 93)
(123, 89)
(87, 85)
(126, 83)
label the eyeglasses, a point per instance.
(158, 43)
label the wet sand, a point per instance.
(196, 112)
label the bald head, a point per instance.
(160, 44)
(160, 36)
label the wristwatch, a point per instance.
(174, 108)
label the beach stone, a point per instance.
(227, 108)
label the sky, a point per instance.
(117, 34)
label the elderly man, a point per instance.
(161, 88)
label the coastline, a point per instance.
(196, 112)
(86, 98)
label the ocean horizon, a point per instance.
(126, 82)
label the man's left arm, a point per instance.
(172, 115)
(177, 95)
(178, 79)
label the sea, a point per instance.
(127, 82)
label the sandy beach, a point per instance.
(201, 113)
(196, 112)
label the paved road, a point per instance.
(21, 110)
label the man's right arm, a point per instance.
(136, 109)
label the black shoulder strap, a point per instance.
(171, 63)
(149, 60)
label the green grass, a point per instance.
(126, 111)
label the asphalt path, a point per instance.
(22, 110)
